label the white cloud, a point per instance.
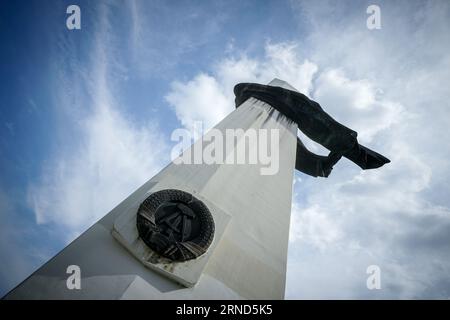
(209, 97)
(113, 160)
(312, 226)
(380, 85)
(357, 104)
(397, 217)
(114, 156)
(199, 99)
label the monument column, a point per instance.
(193, 231)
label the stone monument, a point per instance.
(206, 231)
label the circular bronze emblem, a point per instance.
(175, 224)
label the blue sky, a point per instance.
(86, 118)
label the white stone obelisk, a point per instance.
(248, 260)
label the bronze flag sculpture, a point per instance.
(316, 124)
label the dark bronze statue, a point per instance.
(316, 124)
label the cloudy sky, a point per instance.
(86, 118)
